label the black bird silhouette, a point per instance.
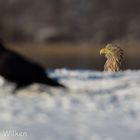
(16, 68)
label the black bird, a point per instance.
(16, 68)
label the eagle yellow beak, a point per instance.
(103, 51)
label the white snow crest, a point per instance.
(96, 106)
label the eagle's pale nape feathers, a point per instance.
(115, 58)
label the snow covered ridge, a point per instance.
(97, 106)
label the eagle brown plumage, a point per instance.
(115, 58)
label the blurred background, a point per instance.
(70, 33)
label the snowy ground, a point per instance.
(97, 106)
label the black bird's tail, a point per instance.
(52, 82)
(47, 81)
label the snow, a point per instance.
(96, 106)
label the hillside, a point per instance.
(70, 20)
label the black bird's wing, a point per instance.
(18, 69)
